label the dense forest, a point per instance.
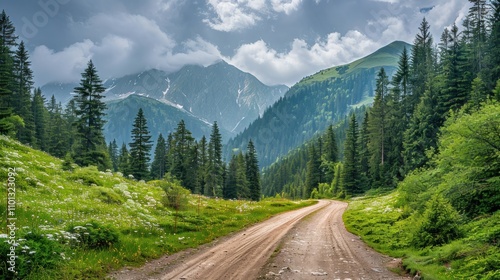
(378, 147)
(75, 132)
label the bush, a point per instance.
(88, 175)
(95, 236)
(33, 251)
(175, 197)
(440, 224)
(108, 195)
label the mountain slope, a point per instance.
(314, 103)
(161, 118)
(219, 92)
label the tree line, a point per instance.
(75, 133)
(400, 132)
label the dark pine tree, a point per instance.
(312, 170)
(230, 191)
(203, 163)
(124, 160)
(377, 129)
(41, 118)
(179, 151)
(8, 38)
(350, 173)
(90, 146)
(57, 134)
(252, 172)
(215, 170)
(159, 164)
(113, 154)
(330, 154)
(23, 80)
(140, 148)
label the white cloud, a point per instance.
(273, 67)
(234, 15)
(286, 6)
(63, 66)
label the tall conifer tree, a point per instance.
(90, 146)
(350, 172)
(140, 147)
(159, 164)
(23, 76)
(252, 173)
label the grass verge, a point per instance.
(389, 230)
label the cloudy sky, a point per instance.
(278, 41)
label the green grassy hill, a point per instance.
(83, 223)
(387, 56)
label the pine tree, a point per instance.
(140, 148)
(113, 154)
(364, 154)
(192, 182)
(477, 25)
(203, 163)
(457, 83)
(492, 75)
(180, 147)
(377, 129)
(23, 80)
(57, 134)
(41, 118)
(330, 154)
(421, 64)
(312, 170)
(8, 121)
(159, 164)
(242, 191)
(421, 134)
(230, 191)
(124, 160)
(350, 173)
(215, 170)
(252, 172)
(90, 147)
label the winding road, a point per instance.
(308, 243)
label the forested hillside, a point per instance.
(314, 103)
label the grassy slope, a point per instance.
(50, 201)
(388, 55)
(385, 228)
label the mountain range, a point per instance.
(219, 92)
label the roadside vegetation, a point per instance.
(83, 223)
(443, 219)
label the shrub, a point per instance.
(33, 251)
(175, 197)
(95, 236)
(88, 176)
(108, 195)
(440, 224)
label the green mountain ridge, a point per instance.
(314, 103)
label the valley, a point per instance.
(250, 139)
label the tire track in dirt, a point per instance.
(313, 243)
(320, 247)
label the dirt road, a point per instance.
(317, 247)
